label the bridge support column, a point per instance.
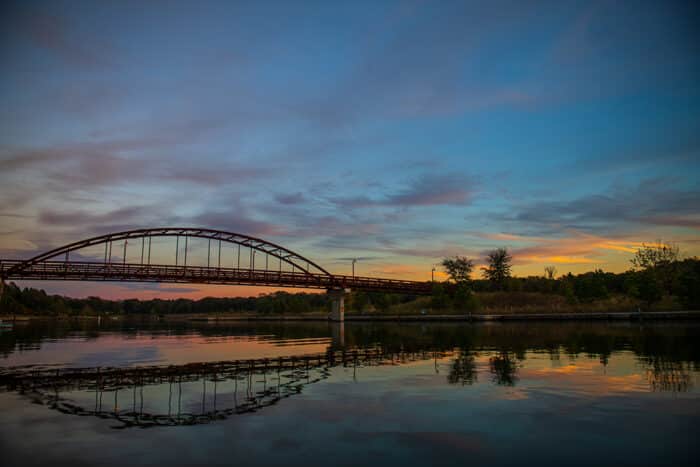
(337, 304)
(337, 335)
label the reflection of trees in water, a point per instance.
(208, 392)
(668, 376)
(504, 368)
(662, 374)
(669, 353)
(463, 369)
(677, 341)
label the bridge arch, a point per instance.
(296, 260)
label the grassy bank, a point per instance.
(489, 303)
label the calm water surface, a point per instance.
(358, 394)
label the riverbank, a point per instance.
(616, 316)
(662, 315)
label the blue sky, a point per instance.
(398, 132)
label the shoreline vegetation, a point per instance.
(360, 318)
(659, 284)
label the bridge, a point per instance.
(162, 254)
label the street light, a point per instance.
(432, 274)
(354, 260)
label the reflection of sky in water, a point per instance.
(568, 413)
(487, 405)
(118, 350)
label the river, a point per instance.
(315, 393)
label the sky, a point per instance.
(397, 133)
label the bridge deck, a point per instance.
(126, 272)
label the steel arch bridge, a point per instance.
(282, 267)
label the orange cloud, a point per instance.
(506, 237)
(559, 259)
(403, 271)
(578, 248)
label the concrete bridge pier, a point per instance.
(337, 304)
(337, 335)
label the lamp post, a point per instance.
(354, 260)
(432, 274)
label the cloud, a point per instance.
(691, 220)
(57, 36)
(86, 219)
(111, 162)
(134, 151)
(569, 247)
(501, 236)
(602, 50)
(421, 62)
(577, 248)
(679, 146)
(358, 258)
(236, 221)
(391, 246)
(428, 190)
(651, 202)
(393, 270)
(339, 229)
(293, 198)
(435, 190)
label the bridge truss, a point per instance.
(127, 257)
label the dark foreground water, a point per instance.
(360, 394)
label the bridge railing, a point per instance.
(128, 272)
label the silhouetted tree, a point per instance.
(498, 268)
(648, 287)
(458, 268)
(662, 259)
(687, 287)
(550, 272)
(439, 298)
(591, 286)
(652, 256)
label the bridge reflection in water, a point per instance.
(195, 393)
(198, 393)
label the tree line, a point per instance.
(657, 270)
(18, 300)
